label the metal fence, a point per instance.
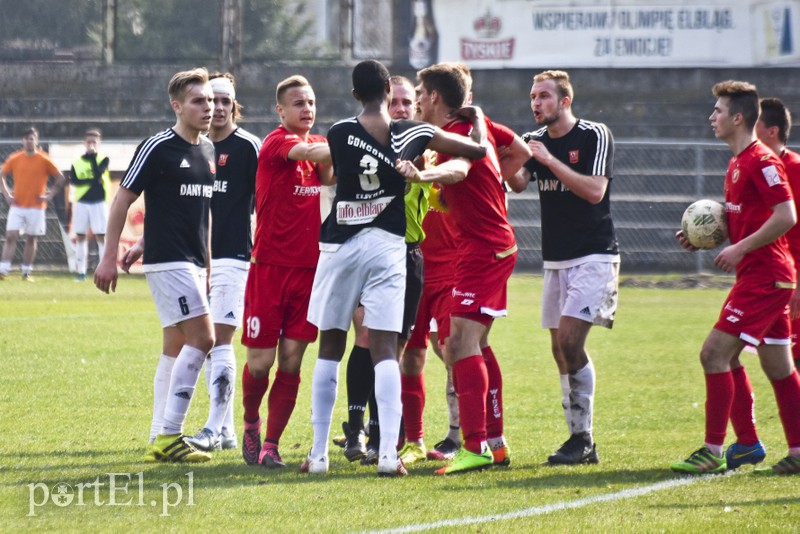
(653, 183)
(52, 247)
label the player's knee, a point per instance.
(711, 359)
(203, 341)
(413, 361)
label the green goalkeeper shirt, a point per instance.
(416, 201)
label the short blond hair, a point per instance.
(289, 83)
(180, 82)
(561, 79)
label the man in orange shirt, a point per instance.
(30, 167)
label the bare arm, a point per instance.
(512, 159)
(519, 182)
(590, 188)
(325, 174)
(782, 219)
(59, 183)
(315, 152)
(450, 172)
(456, 145)
(105, 276)
(132, 255)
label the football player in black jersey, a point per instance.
(176, 168)
(572, 164)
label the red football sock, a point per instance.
(743, 417)
(494, 400)
(413, 397)
(253, 390)
(787, 393)
(472, 386)
(281, 401)
(719, 400)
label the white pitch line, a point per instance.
(545, 509)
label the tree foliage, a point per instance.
(155, 30)
(45, 26)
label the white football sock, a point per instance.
(496, 443)
(390, 407)
(220, 380)
(5, 266)
(101, 248)
(181, 388)
(324, 385)
(160, 390)
(81, 250)
(581, 400)
(565, 400)
(716, 450)
(228, 428)
(26, 269)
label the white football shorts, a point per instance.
(587, 291)
(89, 216)
(369, 268)
(179, 293)
(29, 221)
(226, 299)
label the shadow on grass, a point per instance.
(227, 470)
(786, 501)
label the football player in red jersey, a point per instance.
(760, 210)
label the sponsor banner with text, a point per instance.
(527, 34)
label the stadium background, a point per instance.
(71, 64)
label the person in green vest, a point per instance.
(91, 184)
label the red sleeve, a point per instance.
(771, 181)
(502, 134)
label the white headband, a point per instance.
(224, 86)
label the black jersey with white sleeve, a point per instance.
(177, 179)
(234, 191)
(369, 190)
(573, 228)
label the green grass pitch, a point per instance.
(75, 406)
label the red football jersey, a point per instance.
(287, 203)
(755, 182)
(477, 204)
(791, 162)
(440, 246)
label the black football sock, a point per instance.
(360, 380)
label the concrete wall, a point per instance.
(653, 184)
(130, 101)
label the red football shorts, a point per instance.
(434, 304)
(276, 305)
(756, 311)
(480, 287)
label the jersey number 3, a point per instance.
(369, 179)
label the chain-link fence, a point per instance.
(52, 247)
(654, 182)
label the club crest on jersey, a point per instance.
(573, 156)
(303, 172)
(735, 175)
(222, 160)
